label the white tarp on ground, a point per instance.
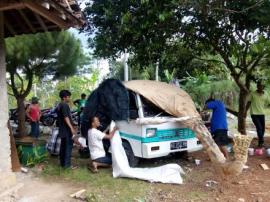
(170, 173)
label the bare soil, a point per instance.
(36, 189)
(252, 185)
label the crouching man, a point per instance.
(97, 152)
(219, 126)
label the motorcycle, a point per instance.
(13, 114)
(49, 117)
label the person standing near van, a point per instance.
(219, 125)
(66, 130)
(257, 102)
(80, 104)
(33, 113)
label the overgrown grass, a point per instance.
(101, 186)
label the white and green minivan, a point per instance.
(151, 132)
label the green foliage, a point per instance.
(51, 55)
(169, 76)
(48, 92)
(203, 87)
(135, 72)
(235, 34)
(178, 30)
(56, 54)
(31, 58)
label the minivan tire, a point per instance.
(133, 160)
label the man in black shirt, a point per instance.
(66, 129)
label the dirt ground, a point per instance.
(36, 189)
(252, 185)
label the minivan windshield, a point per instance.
(151, 110)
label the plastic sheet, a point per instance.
(170, 173)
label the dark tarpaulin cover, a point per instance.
(109, 102)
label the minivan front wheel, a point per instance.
(133, 160)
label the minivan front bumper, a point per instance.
(160, 149)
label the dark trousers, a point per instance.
(259, 122)
(79, 119)
(65, 152)
(105, 160)
(35, 129)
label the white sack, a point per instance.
(82, 141)
(169, 173)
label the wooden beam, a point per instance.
(51, 15)
(8, 5)
(68, 5)
(9, 27)
(27, 21)
(74, 19)
(19, 22)
(44, 27)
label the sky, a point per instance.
(100, 64)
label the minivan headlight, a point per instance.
(151, 132)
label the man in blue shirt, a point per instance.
(219, 126)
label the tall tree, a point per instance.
(235, 33)
(46, 54)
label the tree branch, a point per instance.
(30, 81)
(255, 63)
(242, 11)
(235, 113)
(210, 60)
(230, 66)
(241, 37)
(9, 84)
(10, 94)
(13, 85)
(21, 80)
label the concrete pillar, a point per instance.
(7, 177)
(157, 71)
(125, 67)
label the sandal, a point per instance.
(74, 167)
(93, 168)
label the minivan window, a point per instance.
(150, 110)
(133, 109)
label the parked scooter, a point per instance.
(13, 114)
(49, 117)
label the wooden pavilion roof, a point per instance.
(32, 16)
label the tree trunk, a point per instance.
(226, 168)
(242, 111)
(207, 141)
(21, 117)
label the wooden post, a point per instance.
(7, 178)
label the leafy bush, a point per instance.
(202, 87)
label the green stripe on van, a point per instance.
(163, 135)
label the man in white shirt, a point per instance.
(97, 152)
